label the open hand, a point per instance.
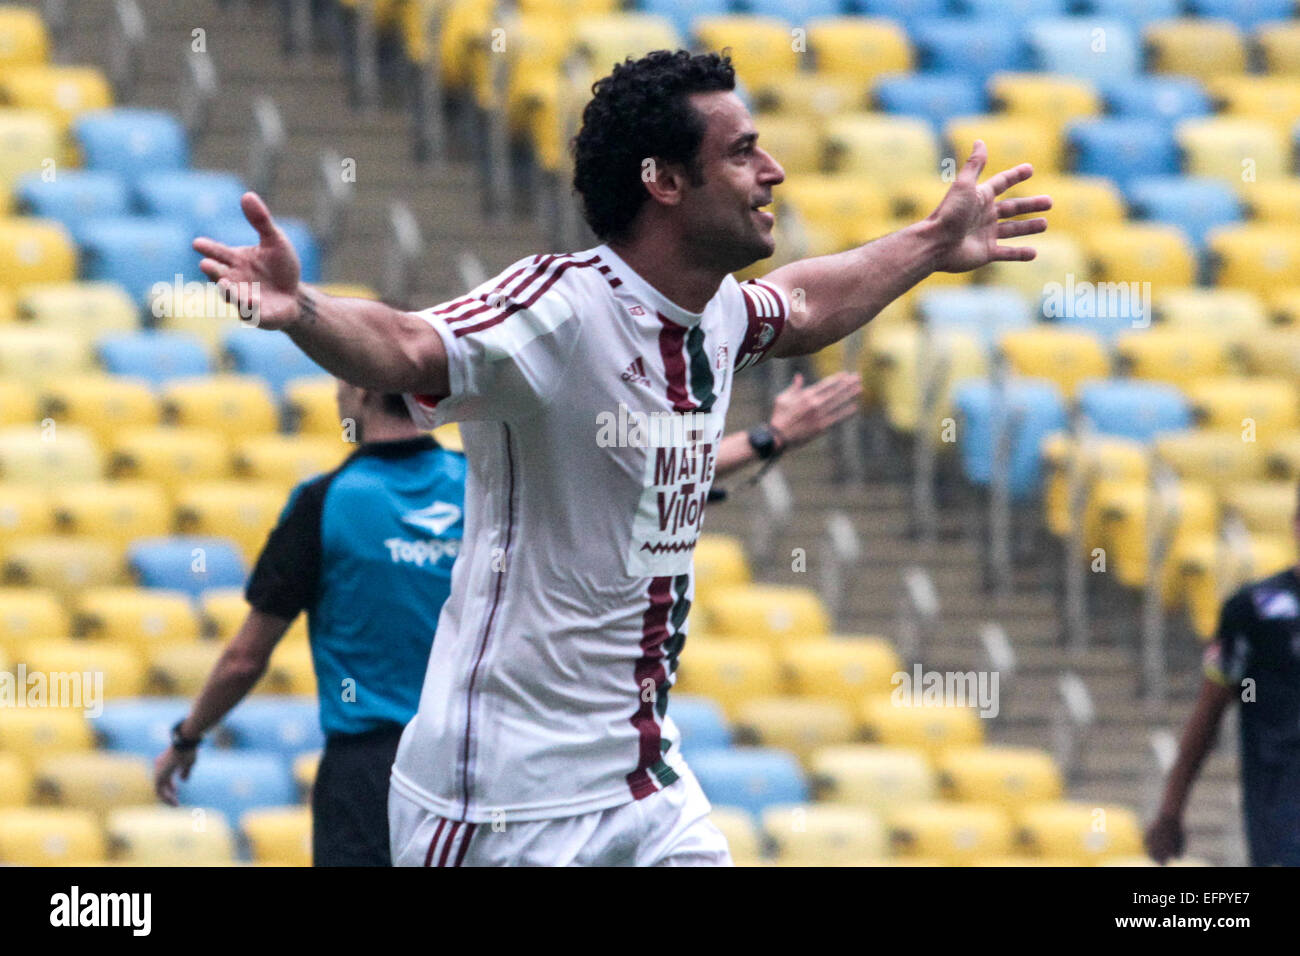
(261, 280)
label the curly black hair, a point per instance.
(641, 110)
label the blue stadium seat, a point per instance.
(271, 356)
(234, 782)
(680, 13)
(1165, 98)
(1071, 46)
(701, 722)
(138, 251)
(907, 12)
(750, 778)
(141, 725)
(187, 563)
(235, 231)
(983, 311)
(1108, 316)
(1194, 204)
(156, 357)
(976, 49)
(1247, 14)
(1036, 409)
(74, 196)
(288, 726)
(793, 11)
(190, 195)
(935, 97)
(1013, 11)
(131, 141)
(1137, 13)
(1132, 409)
(1123, 149)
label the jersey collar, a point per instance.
(397, 448)
(642, 289)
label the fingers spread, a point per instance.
(214, 250)
(1021, 227)
(214, 270)
(258, 216)
(1018, 207)
(1014, 253)
(1009, 177)
(979, 155)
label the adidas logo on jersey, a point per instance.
(635, 372)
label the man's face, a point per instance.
(724, 223)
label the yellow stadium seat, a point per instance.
(915, 197)
(1196, 47)
(35, 250)
(1066, 357)
(1050, 99)
(1264, 507)
(1256, 258)
(817, 834)
(279, 836)
(44, 836)
(1080, 832)
(1180, 356)
(1280, 44)
(27, 613)
(1269, 99)
(90, 307)
(122, 668)
(314, 406)
(169, 836)
(235, 405)
(35, 732)
(1233, 314)
(743, 838)
(25, 511)
(730, 672)
(894, 356)
(609, 39)
(1011, 140)
(37, 355)
(843, 668)
(175, 457)
(182, 668)
(291, 671)
(796, 142)
(48, 456)
(209, 318)
(1270, 201)
(1079, 203)
(1283, 454)
(839, 204)
(771, 612)
(1006, 776)
(1141, 252)
(884, 148)
(102, 404)
(1101, 459)
(29, 140)
(931, 727)
(8, 302)
(243, 511)
(800, 725)
(304, 771)
(1220, 459)
(1122, 508)
(956, 833)
(1257, 409)
(64, 563)
(96, 781)
(18, 403)
(223, 611)
(65, 92)
(719, 562)
(870, 775)
(1232, 148)
(760, 46)
(136, 617)
(288, 459)
(117, 511)
(1209, 568)
(808, 94)
(1058, 257)
(859, 47)
(536, 47)
(24, 40)
(15, 781)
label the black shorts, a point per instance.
(349, 801)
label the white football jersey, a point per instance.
(591, 409)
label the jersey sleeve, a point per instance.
(766, 310)
(287, 574)
(1227, 658)
(508, 344)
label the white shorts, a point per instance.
(667, 828)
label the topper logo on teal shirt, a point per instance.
(435, 519)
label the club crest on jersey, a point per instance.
(635, 371)
(635, 310)
(765, 335)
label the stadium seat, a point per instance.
(235, 782)
(35, 732)
(101, 404)
(1122, 148)
(94, 780)
(1063, 356)
(64, 563)
(1193, 47)
(138, 252)
(95, 307)
(1231, 148)
(750, 778)
(1204, 567)
(25, 511)
(760, 45)
(1274, 99)
(1283, 454)
(1264, 507)
(31, 142)
(304, 772)
(314, 407)
(36, 355)
(121, 669)
(1137, 12)
(743, 839)
(1052, 100)
(291, 671)
(192, 196)
(814, 95)
(1137, 410)
(795, 142)
(181, 669)
(199, 311)
(875, 776)
(730, 672)
(1195, 205)
(1232, 315)
(1011, 139)
(901, 357)
(774, 613)
(242, 512)
(859, 47)
(24, 41)
(1080, 832)
(131, 141)
(1256, 258)
(15, 781)
(170, 836)
(234, 230)
(68, 455)
(824, 835)
(64, 92)
(955, 833)
(1035, 407)
(285, 460)
(27, 613)
(223, 611)
(1271, 201)
(74, 196)
(842, 668)
(189, 564)
(112, 511)
(985, 311)
(18, 405)
(701, 722)
(284, 725)
(1247, 14)
(930, 727)
(1219, 459)
(141, 726)
(46, 836)
(279, 836)
(156, 357)
(1142, 253)
(1272, 352)
(796, 11)
(1102, 461)
(906, 12)
(1009, 777)
(1279, 43)
(799, 725)
(1256, 407)
(1177, 356)
(1189, 509)
(272, 357)
(35, 250)
(719, 562)
(136, 617)
(1058, 257)
(1162, 98)
(976, 48)
(1068, 45)
(886, 149)
(173, 456)
(233, 405)
(937, 98)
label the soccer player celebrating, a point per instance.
(543, 735)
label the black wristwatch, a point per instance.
(763, 439)
(180, 742)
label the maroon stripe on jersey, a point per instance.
(537, 294)
(671, 338)
(428, 857)
(464, 843)
(649, 668)
(538, 270)
(446, 847)
(763, 310)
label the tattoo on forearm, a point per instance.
(306, 307)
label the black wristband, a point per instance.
(763, 440)
(180, 742)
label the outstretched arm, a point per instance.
(840, 293)
(366, 343)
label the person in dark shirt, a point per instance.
(367, 551)
(1254, 658)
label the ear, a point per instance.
(664, 181)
